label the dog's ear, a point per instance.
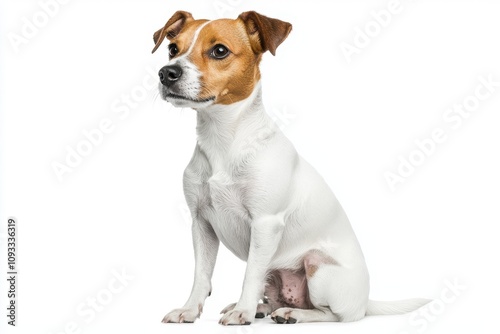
(265, 33)
(171, 28)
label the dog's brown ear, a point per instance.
(265, 33)
(171, 28)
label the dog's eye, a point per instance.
(173, 50)
(219, 52)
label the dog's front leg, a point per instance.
(206, 246)
(265, 236)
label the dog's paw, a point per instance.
(263, 310)
(182, 315)
(284, 315)
(228, 308)
(237, 317)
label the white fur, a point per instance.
(189, 83)
(247, 187)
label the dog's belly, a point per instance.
(288, 288)
(227, 212)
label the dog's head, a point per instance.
(215, 62)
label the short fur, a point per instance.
(247, 187)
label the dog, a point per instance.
(247, 187)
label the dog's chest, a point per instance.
(223, 199)
(227, 195)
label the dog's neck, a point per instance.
(220, 127)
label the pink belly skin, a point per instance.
(287, 288)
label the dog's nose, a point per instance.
(170, 74)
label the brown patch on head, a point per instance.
(184, 39)
(172, 28)
(265, 33)
(181, 32)
(231, 78)
(234, 77)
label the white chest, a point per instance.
(226, 210)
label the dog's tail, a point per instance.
(376, 307)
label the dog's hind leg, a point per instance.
(286, 315)
(335, 293)
(343, 289)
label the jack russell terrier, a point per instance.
(247, 187)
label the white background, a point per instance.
(122, 207)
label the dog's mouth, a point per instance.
(169, 95)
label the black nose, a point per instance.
(170, 74)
